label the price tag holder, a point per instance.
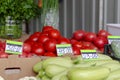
(64, 49)
(113, 38)
(89, 54)
(13, 47)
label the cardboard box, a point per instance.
(13, 67)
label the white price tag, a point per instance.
(63, 49)
(89, 54)
(113, 38)
(13, 47)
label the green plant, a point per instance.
(50, 13)
(18, 9)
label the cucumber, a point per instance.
(53, 69)
(114, 75)
(88, 73)
(100, 62)
(37, 67)
(112, 66)
(61, 61)
(61, 76)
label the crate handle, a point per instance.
(12, 70)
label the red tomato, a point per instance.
(78, 45)
(93, 47)
(63, 40)
(2, 46)
(103, 33)
(30, 55)
(50, 54)
(33, 38)
(46, 28)
(2, 49)
(54, 34)
(23, 55)
(3, 55)
(50, 45)
(37, 33)
(26, 48)
(29, 42)
(90, 36)
(79, 34)
(26, 55)
(43, 38)
(101, 50)
(100, 42)
(37, 44)
(38, 50)
(73, 41)
(87, 45)
(76, 51)
(45, 33)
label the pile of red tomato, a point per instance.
(2, 50)
(89, 40)
(44, 43)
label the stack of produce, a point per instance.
(89, 40)
(55, 68)
(43, 43)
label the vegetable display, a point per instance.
(49, 37)
(90, 40)
(46, 41)
(43, 43)
(55, 68)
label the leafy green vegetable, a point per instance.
(10, 31)
(50, 13)
(18, 9)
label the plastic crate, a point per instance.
(114, 29)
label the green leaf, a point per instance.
(27, 6)
(19, 9)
